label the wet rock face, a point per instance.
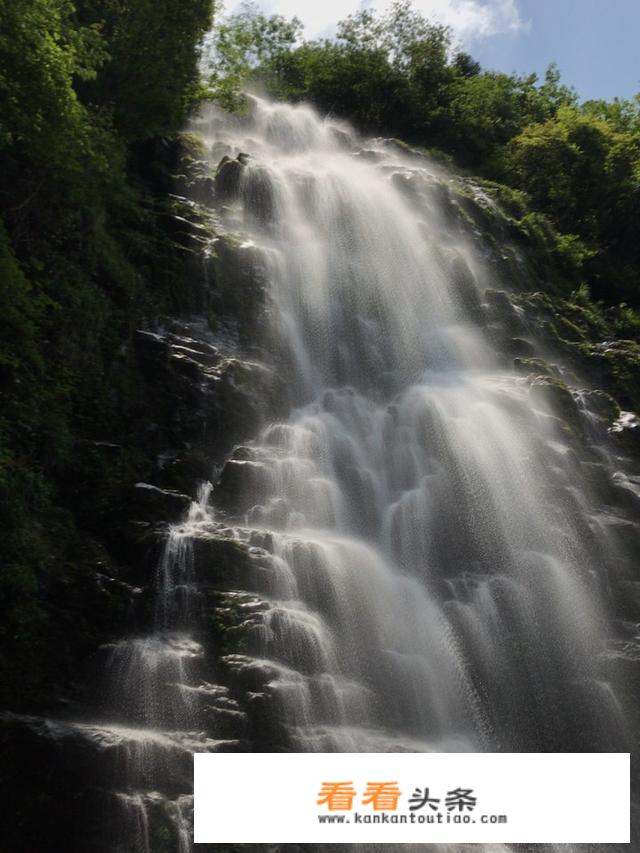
(239, 290)
(202, 396)
(258, 196)
(466, 290)
(602, 405)
(227, 179)
(553, 395)
(154, 504)
(190, 386)
(625, 430)
(85, 772)
(256, 652)
(242, 480)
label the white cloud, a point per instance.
(470, 20)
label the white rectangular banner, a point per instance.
(328, 798)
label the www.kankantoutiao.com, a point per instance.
(413, 818)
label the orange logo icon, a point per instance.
(338, 796)
(383, 796)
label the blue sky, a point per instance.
(596, 43)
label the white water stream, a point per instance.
(423, 535)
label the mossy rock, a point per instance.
(553, 395)
(534, 366)
(519, 347)
(258, 196)
(499, 303)
(221, 563)
(465, 288)
(602, 405)
(624, 360)
(564, 329)
(227, 179)
(236, 615)
(193, 145)
(625, 432)
(512, 202)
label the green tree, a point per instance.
(583, 169)
(43, 53)
(80, 82)
(573, 165)
(242, 43)
(152, 77)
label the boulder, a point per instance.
(499, 303)
(227, 178)
(602, 405)
(241, 481)
(625, 431)
(151, 348)
(465, 289)
(258, 196)
(153, 504)
(519, 347)
(536, 366)
(553, 396)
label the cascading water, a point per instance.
(419, 560)
(437, 585)
(159, 693)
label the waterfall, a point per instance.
(416, 557)
(437, 585)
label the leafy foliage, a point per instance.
(240, 44)
(80, 81)
(42, 53)
(399, 74)
(584, 172)
(85, 85)
(151, 76)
